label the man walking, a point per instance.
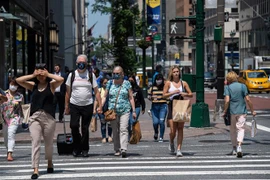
(79, 104)
(60, 91)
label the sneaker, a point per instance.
(85, 154)
(149, 113)
(160, 140)
(233, 152)
(155, 136)
(178, 153)
(239, 152)
(104, 140)
(124, 154)
(117, 153)
(171, 148)
(110, 139)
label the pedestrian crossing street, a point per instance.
(217, 166)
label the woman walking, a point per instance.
(41, 121)
(175, 88)
(104, 126)
(11, 112)
(139, 102)
(121, 99)
(159, 106)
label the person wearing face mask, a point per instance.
(103, 123)
(121, 99)
(11, 113)
(79, 102)
(139, 102)
(159, 106)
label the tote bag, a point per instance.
(26, 113)
(181, 110)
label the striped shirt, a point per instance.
(156, 96)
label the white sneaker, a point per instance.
(239, 152)
(171, 148)
(160, 140)
(233, 152)
(179, 154)
(149, 113)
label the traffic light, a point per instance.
(172, 41)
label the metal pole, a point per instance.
(144, 50)
(200, 110)
(220, 55)
(134, 36)
(153, 56)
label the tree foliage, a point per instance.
(122, 15)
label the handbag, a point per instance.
(26, 113)
(181, 110)
(136, 133)
(253, 127)
(110, 115)
(93, 124)
(227, 118)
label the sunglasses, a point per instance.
(116, 73)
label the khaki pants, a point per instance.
(237, 130)
(41, 124)
(120, 132)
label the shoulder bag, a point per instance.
(110, 115)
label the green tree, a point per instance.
(122, 14)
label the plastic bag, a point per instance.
(253, 127)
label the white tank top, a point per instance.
(173, 88)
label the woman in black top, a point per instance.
(41, 121)
(139, 102)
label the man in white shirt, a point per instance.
(79, 104)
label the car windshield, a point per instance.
(257, 75)
(267, 71)
(208, 74)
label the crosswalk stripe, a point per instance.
(141, 162)
(132, 174)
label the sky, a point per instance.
(102, 21)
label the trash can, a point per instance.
(191, 80)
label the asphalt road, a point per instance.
(205, 157)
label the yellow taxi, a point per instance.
(255, 80)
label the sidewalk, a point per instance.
(216, 127)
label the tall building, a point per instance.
(254, 28)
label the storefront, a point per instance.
(23, 38)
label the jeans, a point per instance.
(159, 111)
(80, 140)
(132, 121)
(103, 124)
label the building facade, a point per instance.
(254, 29)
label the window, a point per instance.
(234, 10)
(237, 26)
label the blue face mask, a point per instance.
(116, 76)
(81, 66)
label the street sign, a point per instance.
(177, 27)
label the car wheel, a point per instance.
(260, 92)
(267, 92)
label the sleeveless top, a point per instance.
(42, 100)
(173, 88)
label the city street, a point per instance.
(206, 155)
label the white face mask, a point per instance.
(13, 88)
(158, 82)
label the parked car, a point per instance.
(255, 80)
(209, 80)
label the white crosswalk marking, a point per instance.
(67, 167)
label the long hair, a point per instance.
(159, 76)
(170, 77)
(135, 85)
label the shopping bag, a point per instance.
(136, 133)
(26, 113)
(227, 118)
(93, 124)
(181, 110)
(253, 127)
